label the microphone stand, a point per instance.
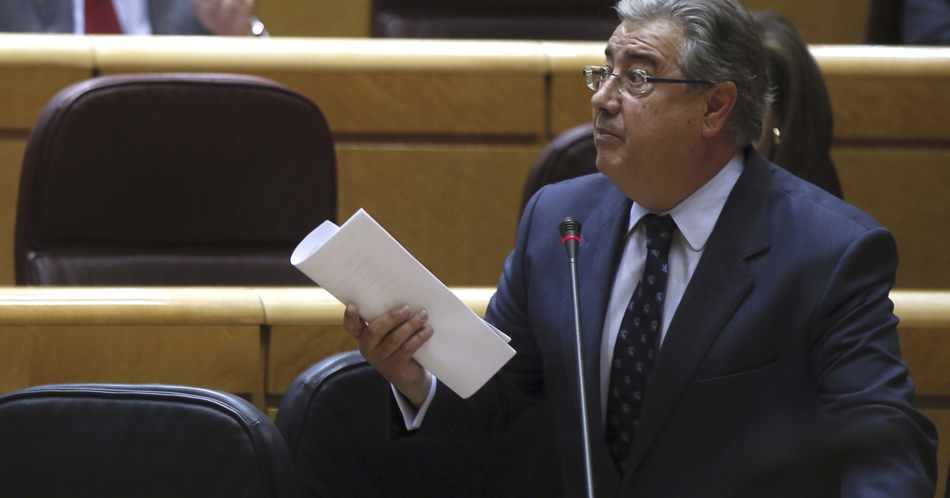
(570, 237)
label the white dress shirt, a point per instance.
(132, 15)
(695, 219)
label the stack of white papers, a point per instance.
(361, 263)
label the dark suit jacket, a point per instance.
(926, 22)
(168, 17)
(780, 374)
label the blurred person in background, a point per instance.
(132, 17)
(798, 129)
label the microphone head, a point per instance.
(570, 236)
(570, 228)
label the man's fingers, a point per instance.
(388, 343)
(352, 321)
(414, 342)
(380, 328)
(395, 339)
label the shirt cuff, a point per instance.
(411, 416)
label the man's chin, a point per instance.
(606, 162)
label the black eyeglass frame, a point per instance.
(603, 74)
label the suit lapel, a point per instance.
(715, 292)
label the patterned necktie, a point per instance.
(637, 340)
(101, 18)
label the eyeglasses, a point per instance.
(634, 82)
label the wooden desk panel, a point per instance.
(295, 349)
(207, 337)
(434, 103)
(466, 190)
(307, 327)
(226, 358)
(904, 189)
(11, 161)
(33, 68)
(315, 17)
(370, 86)
(941, 418)
(821, 21)
(454, 207)
(570, 97)
(217, 357)
(927, 353)
(887, 93)
(253, 342)
(110, 306)
(15, 352)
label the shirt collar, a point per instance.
(696, 215)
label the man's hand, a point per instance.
(225, 17)
(388, 344)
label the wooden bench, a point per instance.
(254, 341)
(434, 139)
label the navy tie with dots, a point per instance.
(637, 340)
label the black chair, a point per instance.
(336, 418)
(172, 179)
(496, 19)
(110, 440)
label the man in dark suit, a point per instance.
(738, 335)
(165, 17)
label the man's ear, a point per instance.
(720, 100)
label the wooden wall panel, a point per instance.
(904, 189)
(52, 335)
(11, 160)
(33, 68)
(15, 347)
(216, 357)
(927, 353)
(387, 99)
(570, 97)
(445, 204)
(941, 418)
(306, 328)
(821, 21)
(372, 86)
(887, 93)
(295, 349)
(432, 103)
(348, 18)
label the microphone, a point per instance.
(571, 238)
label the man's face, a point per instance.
(647, 143)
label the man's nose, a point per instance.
(607, 97)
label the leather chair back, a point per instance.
(109, 440)
(347, 439)
(172, 179)
(569, 155)
(494, 19)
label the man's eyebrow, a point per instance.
(632, 56)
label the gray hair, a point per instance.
(722, 44)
